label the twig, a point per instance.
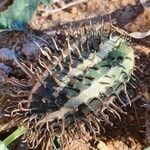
(48, 12)
(133, 100)
(7, 125)
(135, 35)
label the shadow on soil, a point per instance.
(121, 17)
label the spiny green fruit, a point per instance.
(76, 76)
(100, 76)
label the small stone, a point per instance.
(59, 3)
(72, 10)
(6, 54)
(31, 50)
(3, 77)
(83, 7)
(7, 69)
(102, 146)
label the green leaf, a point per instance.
(3, 146)
(19, 14)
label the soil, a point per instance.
(129, 133)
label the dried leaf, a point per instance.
(135, 35)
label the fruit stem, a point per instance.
(12, 137)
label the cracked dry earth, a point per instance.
(130, 133)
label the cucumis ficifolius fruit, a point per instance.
(76, 75)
